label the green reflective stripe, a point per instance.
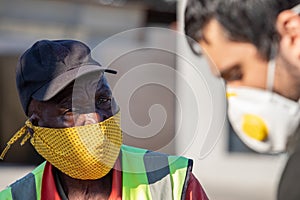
(134, 178)
(38, 175)
(178, 170)
(6, 194)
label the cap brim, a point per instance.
(50, 89)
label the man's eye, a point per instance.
(233, 74)
(70, 111)
(102, 101)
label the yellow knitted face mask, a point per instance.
(84, 152)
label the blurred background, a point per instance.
(192, 102)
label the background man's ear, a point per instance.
(288, 23)
(288, 27)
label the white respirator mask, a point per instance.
(262, 119)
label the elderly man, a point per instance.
(74, 124)
(254, 46)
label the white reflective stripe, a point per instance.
(162, 189)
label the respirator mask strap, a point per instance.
(271, 70)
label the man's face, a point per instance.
(237, 62)
(87, 101)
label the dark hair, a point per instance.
(244, 20)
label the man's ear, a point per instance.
(288, 27)
(34, 118)
(34, 111)
(288, 23)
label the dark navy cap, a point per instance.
(49, 66)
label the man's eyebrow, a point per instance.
(102, 87)
(205, 39)
(232, 73)
(103, 92)
(67, 101)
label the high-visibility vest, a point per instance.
(145, 175)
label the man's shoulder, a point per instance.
(18, 186)
(156, 158)
(27, 182)
(127, 148)
(137, 150)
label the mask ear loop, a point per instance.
(271, 70)
(296, 9)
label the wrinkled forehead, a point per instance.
(86, 86)
(90, 82)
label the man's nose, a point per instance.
(87, 118)
(91, 118)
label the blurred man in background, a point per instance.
(254, 46)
